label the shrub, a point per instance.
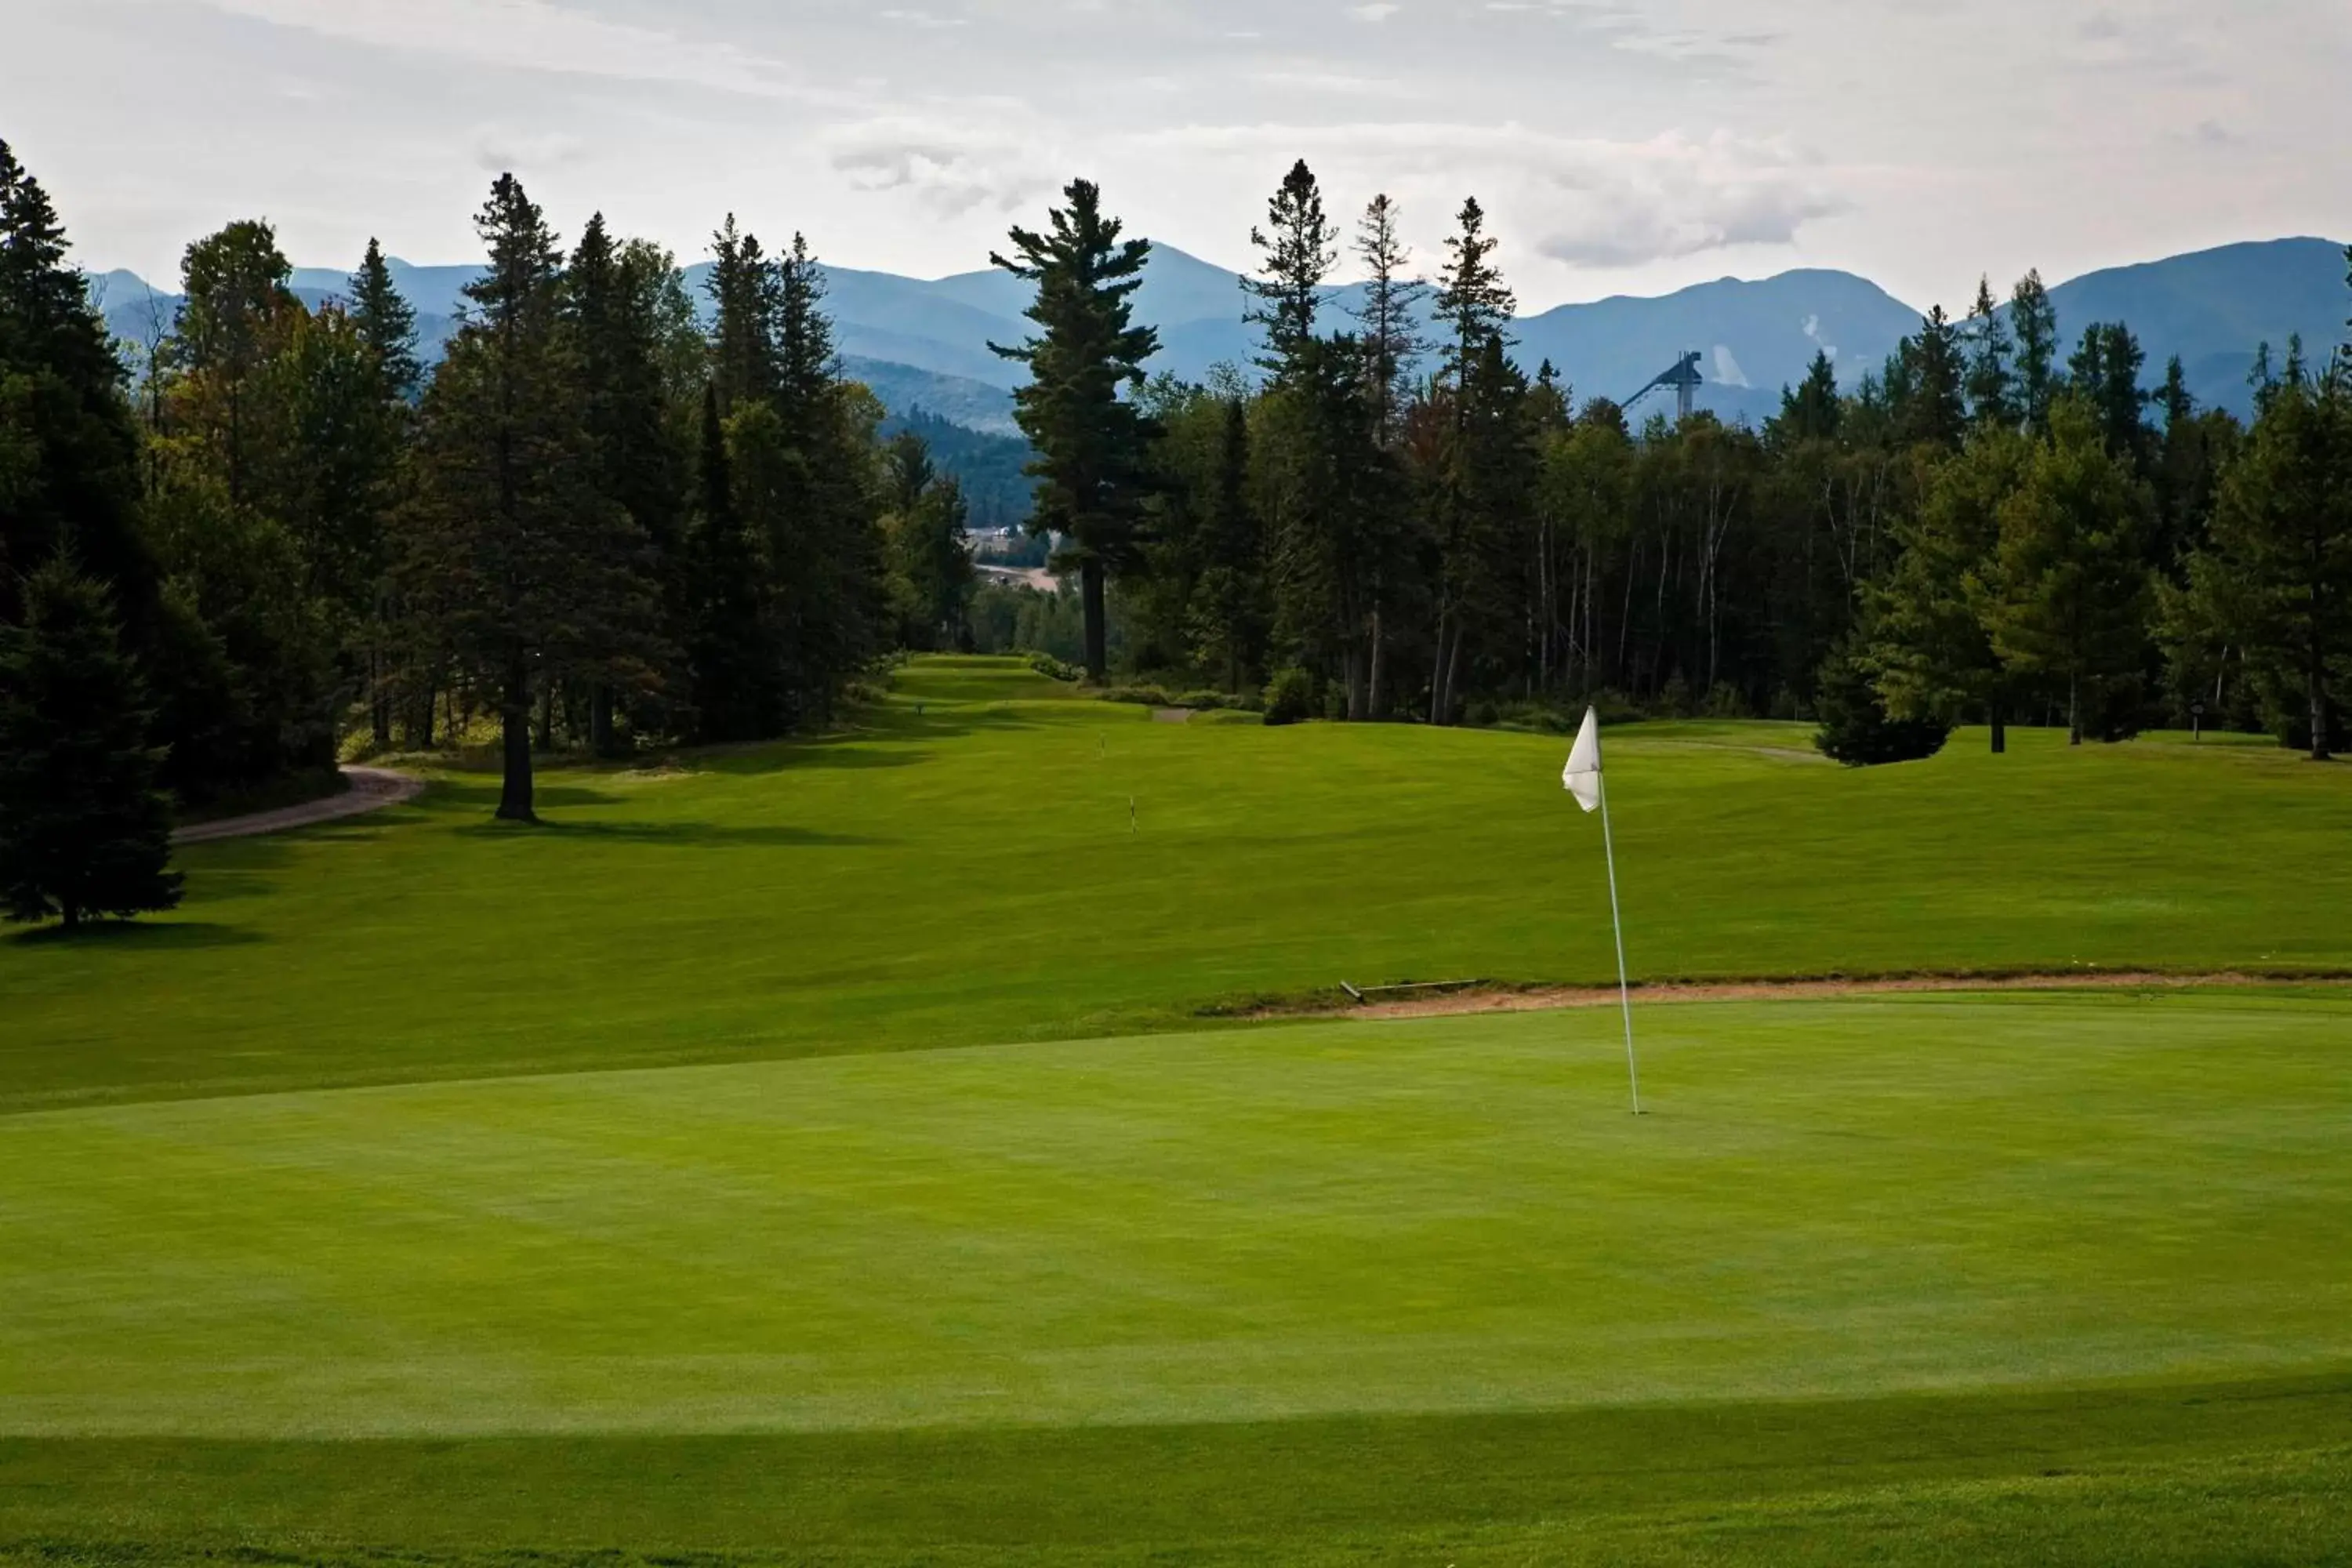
(1052, 669)
(1855, 730)
(1289, 697)
(1142, 696)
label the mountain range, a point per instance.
(925, 343)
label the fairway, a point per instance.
(960, 870)
(842, 1152)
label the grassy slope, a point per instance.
(962, 872)
(1917, 1279)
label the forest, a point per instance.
(607, 519)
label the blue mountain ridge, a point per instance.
(927, 341)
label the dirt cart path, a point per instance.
(372, 789)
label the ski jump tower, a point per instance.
(1684, 377)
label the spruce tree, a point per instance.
(737, 690)
(1812, 410)
(387, 324)
(1228, 611)
(2036, 321)
(1931, 405)
(1296, 256)
(84, 831)
(1091, 442)
(2105, 372)
(745, 296)
(71, 449)
(530, 571)
(2070, 592)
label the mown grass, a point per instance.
(329, 1234)
(960, 870)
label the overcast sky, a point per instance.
(1619, 147)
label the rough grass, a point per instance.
(960, 870)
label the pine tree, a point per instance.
(1812, 410)
(2071, 591)
(238, 313)
(1091, 443)
(1472, 304)
(1931, 406)
(2276, 580)
(1390, 317)
(1297, 256)
(83, 829)
(2106, 371)
(531, 572)
(737, 688)
(1229, 613)
(2035, 320)
(71, 456)
(1991, 384)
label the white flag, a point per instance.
(1583, 774)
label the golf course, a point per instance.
(947, 1141)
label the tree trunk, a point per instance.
(1452, 678)
(2000, 729)
(1090, 584)
(2073, 710)
(600, 720)
(2321, 741)
(71, 912)
(1379, 651)
(1353, 663)
(514, 712)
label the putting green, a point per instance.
(1830, 1199)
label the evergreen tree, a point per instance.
(84, 831)
(737, 687)
(2036, 321)
(1812, 410)
(1388, 321)
(531, 570)
(930, 557)
(1331, 489)
(2105, 372)
(745, 290)
(2276, 580)
(1474, 305)
(614, 299)
(1229, 612)
(2071, 591)
(387, 324)
(1297, 256)
(1931, 406)
(1931, 650)
(1991, 384)
(1091, 443)
(1856, 728)
(71, 455)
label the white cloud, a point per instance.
(1379, 11)
(949, 169)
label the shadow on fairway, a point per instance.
(684, 835)
(150, 936)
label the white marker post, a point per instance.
(1583, 778)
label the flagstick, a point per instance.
(1625, 991)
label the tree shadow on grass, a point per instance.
(145, 936)
(467, 794)
(681, 835)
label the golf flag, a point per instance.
(1583, 774)
(1582, 777)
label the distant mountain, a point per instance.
(926, 343)
(2213, 308)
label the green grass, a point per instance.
(432, 1192)
(961, 871)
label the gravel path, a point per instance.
(372, 790)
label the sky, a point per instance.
(1617, 147)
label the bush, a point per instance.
(1289, 697)
(1855, 730)
(1209, 701)
(1143, 696)
(1052, 669)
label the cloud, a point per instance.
(527, 34)
(1378, 11)
(949, 170)
(500, 150)
(1623, 204)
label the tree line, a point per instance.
(597, 522)
(1395, 520)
